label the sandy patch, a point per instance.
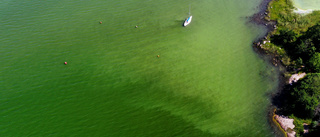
(301, 11)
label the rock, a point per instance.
(306, 128)
(295, 77)
(286, 124)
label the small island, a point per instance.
(293, 43)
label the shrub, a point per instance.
(298, 125)
(305, 96)
(314, 62)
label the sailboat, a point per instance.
(188, 20)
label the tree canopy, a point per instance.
(302, 48)
(314, 62)
(313, 34)
(306, 95)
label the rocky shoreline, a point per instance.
(286, 124)
(278, 123)
(259, 18)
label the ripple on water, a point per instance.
(206, 82)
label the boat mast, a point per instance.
(189, 9)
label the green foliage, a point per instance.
(314, 62)
(298, 125)
(281, 12)
(301, 48)
(314, 124)
(306, 95)
(285, 38)
(299, 36)
(313, 34)
(279, 9)
(299, 61)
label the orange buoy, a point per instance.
(65, 63)
(100, 22)
(158, 56)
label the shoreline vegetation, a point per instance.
(293, 45)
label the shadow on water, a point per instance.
(180, 22)
(286, 103)
(148, 94)
(153, 93)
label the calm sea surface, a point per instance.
(208, 81)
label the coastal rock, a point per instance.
(286, 124)
(259, 17)
(295, 77)
(306, 128)
(264, 42)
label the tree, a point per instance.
(313, 33)
(306, 95)
(314, 62)
(285, 38)
(303, 49)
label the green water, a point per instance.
(207, 81)
(307, 4)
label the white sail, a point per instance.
(188, 20)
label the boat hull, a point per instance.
(187, 21)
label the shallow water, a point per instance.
(307, 4)
(207, 81)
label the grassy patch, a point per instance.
(282, 12)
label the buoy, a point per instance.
(100, 22)
(136, 26)
(158, 56)
(65, 63)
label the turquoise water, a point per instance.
(207, 81)
(307, 4)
